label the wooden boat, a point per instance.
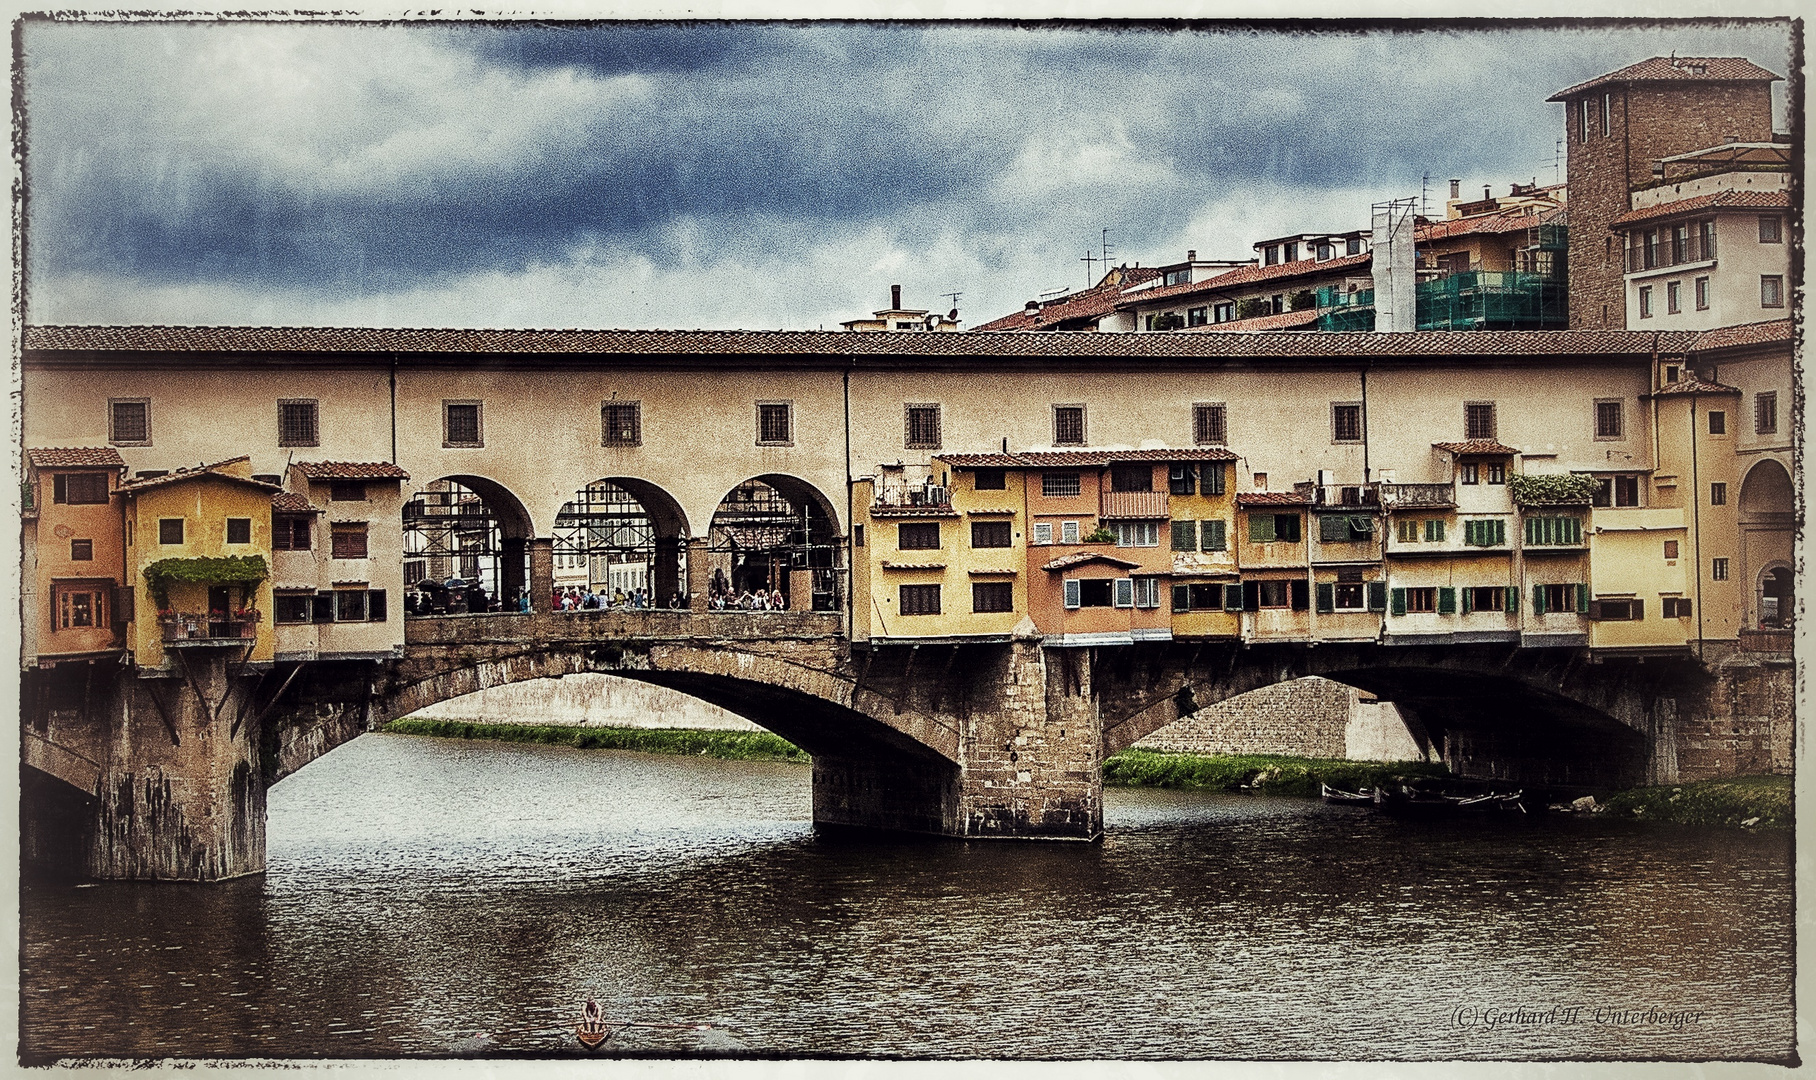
(1364, 797)
(592, 1031)
(1406, 799)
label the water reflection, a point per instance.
(432, 898)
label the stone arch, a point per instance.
(1767, 495)
(777, 532)
(596, 532)
(468, 527)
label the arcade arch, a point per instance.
(777, 533)
(621, 534)
(465, 545)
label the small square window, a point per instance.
(1478, 420)
(920, 599)
(348, 540)
(918, 536)
(239, 530)
(1718, 570)
(1718, 494)
(350, 605)
(1495, 472)
(129, 421)
(1209, 426)
(1673, 297)
(461, 424)
(989, 534)
(170, 530)
(1068, 425)
(1670, 549)
(1765, 413)
(1771, 229)
(621, 423)
(775, 423)
(296, 423)
(81, 550)
(1346, 422)
(1771, 290)
(1469, 473)
(992, 596)
(1059, 485)
(1610, 423)
(291, 532)
(1718, 422)
(347, 491)
(1043, 532)
(921, 427)
(1702, 294)
(990, 480)
(1068, 532)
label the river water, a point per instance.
(434, 897)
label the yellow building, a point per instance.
(198, 559)
(73, 554)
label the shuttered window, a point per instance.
(1485, 532)
(1185, 536)
(1212, 477)
(920, 599)
(1554, 531)
(1215, 535)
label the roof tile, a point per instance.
(1250, 275)
(197, 472)
(1286, 320)
(351, 470)
(1273, 498)
(1513, 219)
(1759, 333)
(1717, 200)
(1078, 558)
(1690, 384)
(1049, 459)
(290, 502)
(1097, 301)
(1476, 446)
(1678, 69)
(72, 456)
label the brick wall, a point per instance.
(1746, 729)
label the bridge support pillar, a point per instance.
(665, 575)
(542, 574)
(181, 796)
(699, 573)
(1030, 755)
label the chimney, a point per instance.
(895, 297)
(1191, 254)
(1485, 193)
(1456, 189)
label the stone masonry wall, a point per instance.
(1747, 727)
(1305, 718)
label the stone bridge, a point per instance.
(166, 778)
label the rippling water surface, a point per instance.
(432, 898)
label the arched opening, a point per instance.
(776, 534)
(1776, 597)
(1766, 494)
(1768, 507)
(465, 547)
(623, 539)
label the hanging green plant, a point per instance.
(1099, 535)
(1551, 490)
(228, 570)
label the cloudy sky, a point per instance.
(740, 175)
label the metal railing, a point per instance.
(1413, 495)
(1651, 252)
(180, 627)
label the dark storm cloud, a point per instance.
(363, 159)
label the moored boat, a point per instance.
(1362, 797)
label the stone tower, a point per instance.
(1617, 126)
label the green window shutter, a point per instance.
(1261, 528)
(1232, 598)
(1434, 530)
(1532, 530)
(1409, 530)
(1513, 599)
(1576, 530)
(1582, 599)
(1327, 597)
(1538, 599)
(1361, 528)
(1185, 536)
(1399, 601)
(1468, 601)
(1215, 535)
(1286, 527)
(1500, 532)
(1210, 477)
(1472, 533)
(1447, 600)
(1377, 596)
(1071, 592)
(1333, 529)
(1181, 599)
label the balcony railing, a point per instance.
(183, 628)
(1418, 495)
(930, 497)
(1646, 254)
(1357, 495)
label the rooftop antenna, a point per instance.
(1425, 196)
(1090, 258)
(953, 296)
(1106, 248)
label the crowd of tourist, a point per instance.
(575, 598)
(747, 600)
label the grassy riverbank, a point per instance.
(1273, 774)
(1764, 800)
(731, 745)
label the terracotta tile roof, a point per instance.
(1715, 200)
(896, 510)
(1678, 69)
(351, 470)
(979, 570)
(1049, 459)
(290, 502)
(1079, 558)
(1759, 333)
(1690, 384)
(180, 475)
(1095, 302)
(72, 456)
(229, 346)
(1250, 275)
(889, 564)
(1514, 219)
(1273, 498)
(1476, 446)
(1286, 320)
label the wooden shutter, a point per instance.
(1513, 599)
(1595, 611)
(1286, 527)
(1261, 528)
(1181, 598)
(1377, 596)
(1071, 593)
(1468, 600)
(1232, 598)
(1327, 597)
(1399, 596)
(1216, 536)
(1333, 529)
(1185, 536)
(1582, 598)
(1447, 600)
(1210, 477)
(1538, 599)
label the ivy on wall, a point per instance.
(201, 570)
(1551, 490)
